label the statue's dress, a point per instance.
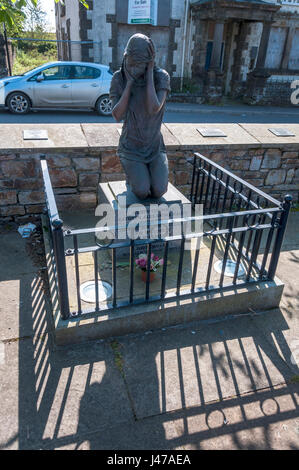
(141, 139)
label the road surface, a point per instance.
(175, 112)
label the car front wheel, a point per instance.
(18, 103)
(104, 106)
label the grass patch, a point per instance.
(295, 207)
(118, 359)
(31, 54)
(294, 379)
(29, 60)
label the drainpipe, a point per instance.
(184, 42)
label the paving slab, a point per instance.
(188, 136)
(291, 238)
(23, 303)
(268, 419)
(195, 365)
(261, 133)
(170, 140)
(66, 136)
(101, 136)
(141, 435)
(285, 340)
(13, 266)
(59, 393)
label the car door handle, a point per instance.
(94, 84)
(65, 86)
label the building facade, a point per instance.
(245, 49)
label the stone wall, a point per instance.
(277, 90)
(77, 166)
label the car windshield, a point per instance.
(36, 69)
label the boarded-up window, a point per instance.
(275, 47)
(294, 54)
(211, 31)
(62, 10)
(160, 37)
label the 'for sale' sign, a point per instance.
(142, 12)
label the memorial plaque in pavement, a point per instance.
(210, 132)
(281, 132)
(35, 134)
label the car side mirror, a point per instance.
(40, 78)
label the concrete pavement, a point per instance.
(229, 384)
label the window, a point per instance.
(59, 72)
(62, 10)
(209, 55)
(84, 72)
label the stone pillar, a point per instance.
(256, 80)
(237, 82)
(260, 63)
(213, 81)
(288, 46)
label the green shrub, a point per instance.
(28, 59)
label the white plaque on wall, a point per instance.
(142, 12)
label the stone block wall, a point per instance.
(75, 176)
(277, 91)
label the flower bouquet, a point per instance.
(155, 262)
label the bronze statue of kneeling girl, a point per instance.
(138, 92)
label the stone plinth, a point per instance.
(122, 201)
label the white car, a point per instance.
(59, 85)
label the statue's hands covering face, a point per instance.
(128, 75)
(150, 65)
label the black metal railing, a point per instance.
(57, 252)
(247, 216)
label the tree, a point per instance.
(35, 18)
(10, 10)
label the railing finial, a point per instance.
(57, 223)
(288, 198)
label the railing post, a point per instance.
(193, 179)
(58, 243)
(286, 205)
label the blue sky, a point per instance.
(49, 7)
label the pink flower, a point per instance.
(155, 262)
